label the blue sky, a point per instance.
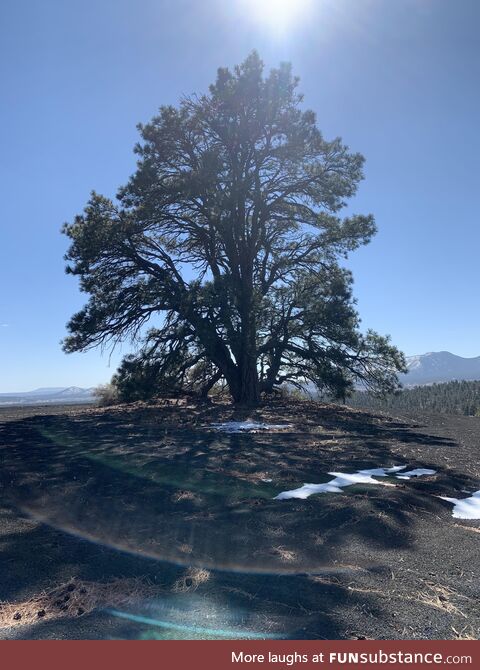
(396, 79)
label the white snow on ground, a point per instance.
(418, 472)
(465, 508)
(248, 426)
(382, 472)
(340, 481)
(309, 489)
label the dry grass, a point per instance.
(285, 555)
(191, 580)
(178, 496)
(439, 596)
(274, 531)
(327, 581)
(185, 548)
(434, 595)
(466, 633)
(74, 599)
(472, 529)
(251, 477)
(239, 592)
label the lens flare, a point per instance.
(277, 15)
(193, 632)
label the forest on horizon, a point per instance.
(456, 397)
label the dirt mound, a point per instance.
(75, 598)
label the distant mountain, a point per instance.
(440, 366)
(75, 392)
(53, 396)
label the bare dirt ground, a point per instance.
(145, 522)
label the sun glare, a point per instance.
(278, 15)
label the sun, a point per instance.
(278, 15)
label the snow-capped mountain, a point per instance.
(53, 396)
(74, 392)
(440, 366)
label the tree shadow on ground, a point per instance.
(229, 605)
(106, 495)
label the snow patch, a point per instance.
(465, 508)
(418, 472)
(248, 426)
(340, 481)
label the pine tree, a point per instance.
(230, 231)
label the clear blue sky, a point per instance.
(396, 79)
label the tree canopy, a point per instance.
(228, 236)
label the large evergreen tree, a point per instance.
(230, 231)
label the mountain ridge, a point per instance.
(49, 395)
(436, 367)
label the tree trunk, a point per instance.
(249, 391)
(249, 386)
(208, 385)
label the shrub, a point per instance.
(106, 394)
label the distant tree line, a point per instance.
(457, 397)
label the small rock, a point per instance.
(41, 613)
(188, 582)
(17, 616)
(80, 611)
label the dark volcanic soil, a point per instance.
(153, 492)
